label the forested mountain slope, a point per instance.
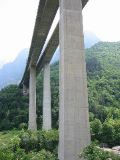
(11, 73)
(103, 74)
(103, 69)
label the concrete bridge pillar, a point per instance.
(46, 98)
(73, 117)
(32, 99)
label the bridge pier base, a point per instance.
(32, 99)
(73, 116)
(46, 98)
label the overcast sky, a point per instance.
(17, 19)
(103, 18)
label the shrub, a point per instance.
(23, 126)
(111, 132)
(41, 155)
(28, 140)
(6, 154)
(50, 139)
(28, 145)
(20, 154)
(39, 140)
(92, 152)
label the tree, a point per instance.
(13, 106)
(96, 128)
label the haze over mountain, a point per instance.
(11, 73)
(1, 63)
(90, 39)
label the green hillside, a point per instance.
(103, 69)
(103, 73)
(108, 53)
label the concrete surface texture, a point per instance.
(32, 99)
(74, 119)
(46, 98)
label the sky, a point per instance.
(103, 18)
(17, 20)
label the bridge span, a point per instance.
(74, 130)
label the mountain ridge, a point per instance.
(12, 72)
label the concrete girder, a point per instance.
(37, 29)
(25, 78)
(49, 50)
(45, 16)
(51, 47)
(43, 29)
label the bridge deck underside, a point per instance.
(45, 16)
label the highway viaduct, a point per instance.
(74, 130)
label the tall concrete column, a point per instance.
(73, 116)
(46, 98)
(32, 99)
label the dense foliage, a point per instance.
(93, 152)
(27, 145)
(103, 70)
(13, 108)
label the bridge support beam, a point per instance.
(74, 120)
(46, 98)
(32, 99)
